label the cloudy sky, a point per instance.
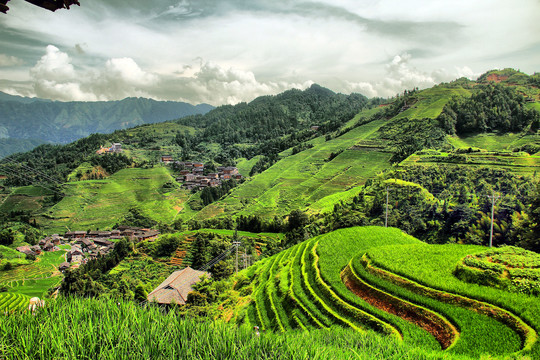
(227, 51)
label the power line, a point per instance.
(13, 173)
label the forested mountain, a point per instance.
(266, 126)
(64, 122)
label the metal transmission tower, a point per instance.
(493, 197)
(386, 213)
(237, 245)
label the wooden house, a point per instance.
(175, 289)
(166, 159)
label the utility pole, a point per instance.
(493, 198)
(386, 217)
(237, 244)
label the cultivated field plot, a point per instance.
(380, 279)
(10, 302)
(36, 278)
(493, 142)
(516, 162)
(102, 203)
(300, 180)
(510, 268)
(430, 102)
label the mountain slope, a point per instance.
(63, 122)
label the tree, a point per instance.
(7, 237)
(140, 293)
(221, 270)
(297, 219)
(166, 245)
(531, 239)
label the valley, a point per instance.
(359, 224)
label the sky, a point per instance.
(229, 51)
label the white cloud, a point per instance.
(141, 48)
(54, 65)
(402, 75)
(6, 60)
(55, 77)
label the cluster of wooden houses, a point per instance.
(133, 233)
(85, 249)
(49, 243)
(115, 148)
(192, 176)
(87, 245)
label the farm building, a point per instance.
(26, 250)
(166, 159)
(175, 289)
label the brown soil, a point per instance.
(443, 332)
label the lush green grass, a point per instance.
(305, 178)
(336, 250)
(492, 142)
(433, 266)
(102, 203)
(244, 165)
(516, 162)
(99, 329)
(475, 329)
(302, 288)
(26, 198)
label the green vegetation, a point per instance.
(428, 270)
(100, 329)
(104, 203)
(304, 287)
(33, 278)
(285, 186)
(10, 302)
(509, 268)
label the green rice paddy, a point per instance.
(305, 288)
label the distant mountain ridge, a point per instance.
(64, 122)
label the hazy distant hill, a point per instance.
(64, 122)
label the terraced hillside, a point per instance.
(35, 278)
(10, 302)
(307, 178)
(102, 203)
(372, 278)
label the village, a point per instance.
(86, 245)
(192, 174)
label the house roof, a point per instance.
(176, 287)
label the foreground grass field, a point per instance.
(325, 282)
(96, 329)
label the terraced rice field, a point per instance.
(35, 278)
(10, 302)
(102, 203)
(361, 278)
(307, 179)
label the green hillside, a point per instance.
(103, 203)
(299, 180)
(63, 122)
(372, 278)
(289, 166)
